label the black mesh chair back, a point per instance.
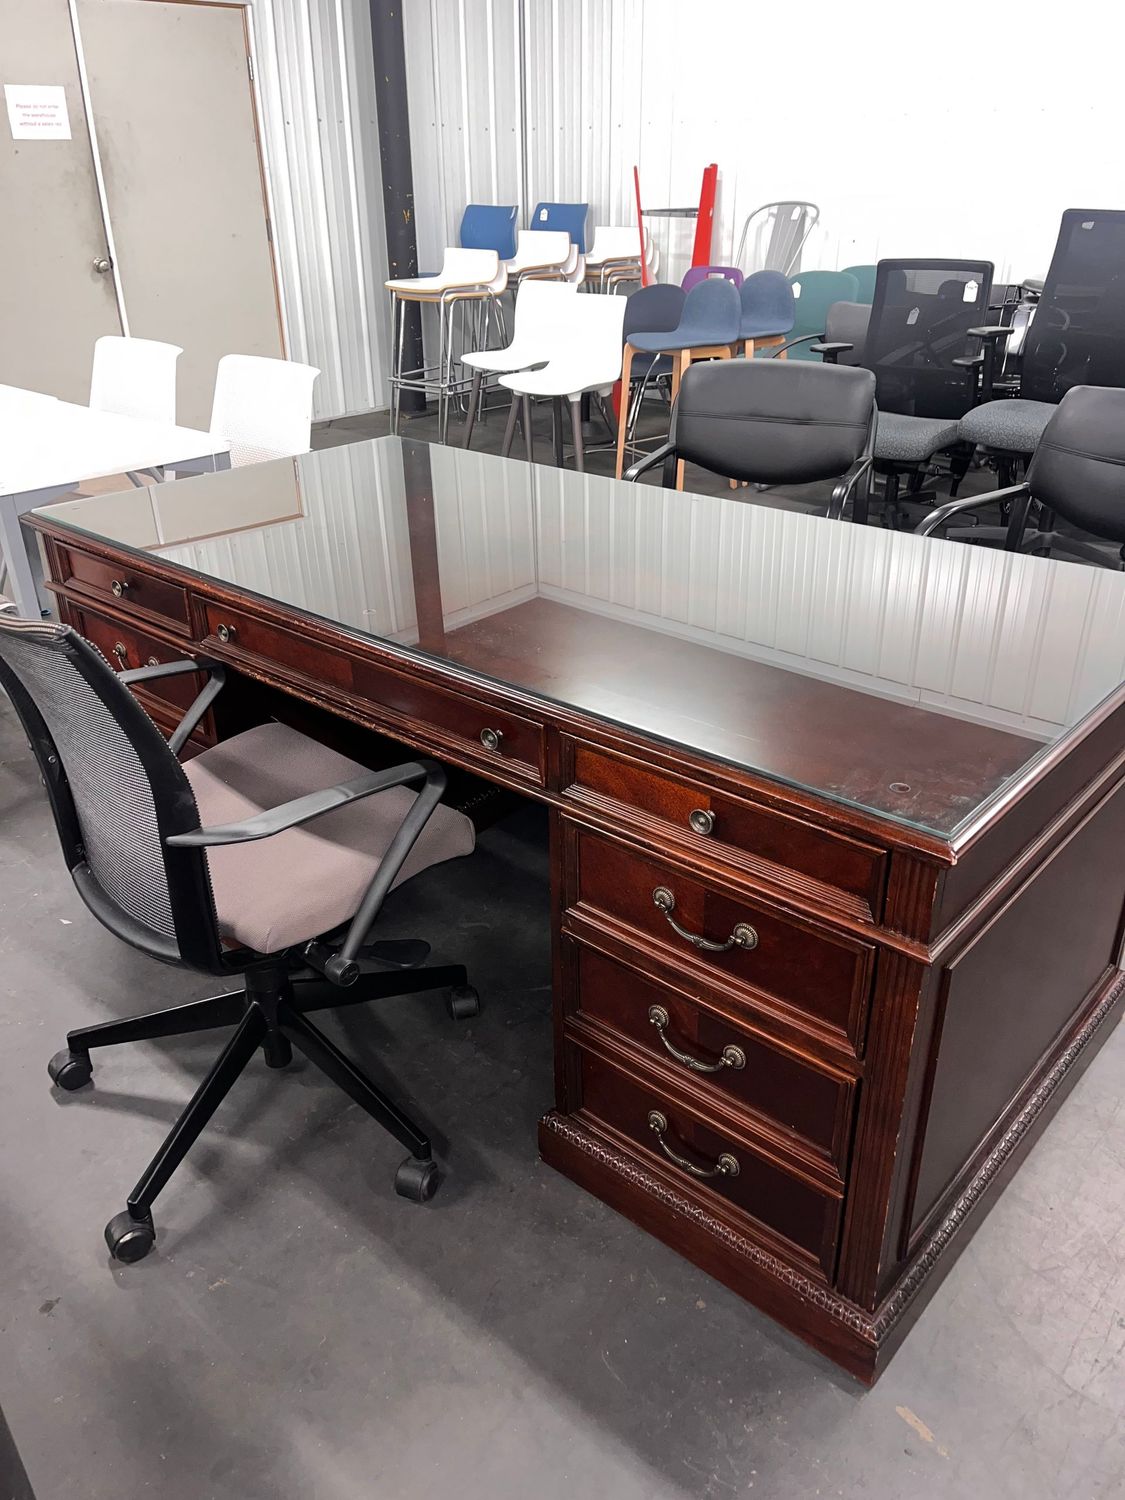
(919, 326)
(772, 422)
(1077, 336)
(1078, 470)
(116, 791)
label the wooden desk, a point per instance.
(880, 778)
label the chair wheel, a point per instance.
(129, 1239)
(70, 1070)
(417, 1180)
(463, 1002)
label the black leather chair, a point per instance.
(767, 422)
(1077, 472)
(266, 858)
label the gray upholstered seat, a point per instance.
(1015, 425)
(912, 439)
(275, 892)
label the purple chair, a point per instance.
(711, 273)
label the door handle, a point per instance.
(102, 264)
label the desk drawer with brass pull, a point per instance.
(683, 921)
(126, 648)
(123, 586)
(684, 1035)
(770, 845)
(714, 1164)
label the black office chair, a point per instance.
(1076, 337)
(774, 423)
(210, 866)
(1077, 472)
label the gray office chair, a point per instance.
(1077, 472)
(769, 423)
(267, 857)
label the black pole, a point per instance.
(393, 115)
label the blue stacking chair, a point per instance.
(568, 216)
(707, 329)
(768, 310)
(490, 226)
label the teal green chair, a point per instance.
(865, 277)
(814, 292)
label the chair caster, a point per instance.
(463, 1002)
(70, 1070)
(417, 1180)
(129, 1239)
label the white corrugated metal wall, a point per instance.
(316, 88)
(871, 110)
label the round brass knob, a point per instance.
(490, 738)
(701, 821)
(226, 633)
(152, 662)
(121, 652)
(118, 587)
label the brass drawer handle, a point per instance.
(743, 935)
(121, 651)
(733, 1057)
(726, 1166)
(118, 587)
(701, 821)
(490, 738)
(226, 633)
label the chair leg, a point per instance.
(529, 444)
(178, 1020)
(510, 428)
(623, 411)
(474, 407)
(680, 363)
(556, 430)
(310, 995)
(576, 431)
(343, 1072)
(130, 1235)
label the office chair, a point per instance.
(1076, 337)
(241, 862)
(774, 423)
(1077, 472)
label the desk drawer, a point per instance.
(124, 586)
(825, 976)
(767, 844)
(126, 647)
(802, 1213)
(795, 1099)
(461, 726)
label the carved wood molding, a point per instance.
(873, 1328)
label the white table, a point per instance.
(47, 447)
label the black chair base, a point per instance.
(270, 1014)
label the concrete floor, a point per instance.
(302, 1334)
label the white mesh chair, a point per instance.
(265, 861)
(135, 378)
(262, 407)
(468, 278)
(543, 309)
(586, 356)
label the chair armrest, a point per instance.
(808, 338)
(830, 352)
(211, 689)
(970, 361)
(993, 331)
(634, 472)
(845, 485)
(942, 514)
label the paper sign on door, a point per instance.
(37, 111)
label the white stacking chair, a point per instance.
(262, 407)
(586, 356)
(540, 252)
(135, 378)
(614, 247)
(543, 309)
(466, 276)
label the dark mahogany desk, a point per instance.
(838, 818)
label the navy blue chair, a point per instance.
(568, 216)
(650, 309)
(708, 329)
(769, 310)
(490, 226)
